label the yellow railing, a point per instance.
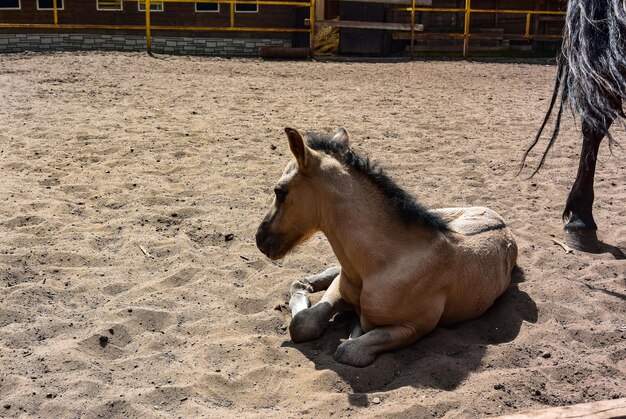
(466, 10)
(467, 35)
(148, 27)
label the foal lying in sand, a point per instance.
(404, 269)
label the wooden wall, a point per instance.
(84, 12)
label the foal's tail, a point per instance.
(591, 74)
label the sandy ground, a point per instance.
(102, 153)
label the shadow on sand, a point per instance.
(603, 247)
(442, 360)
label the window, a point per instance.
(155, 6)
(109, 5)
(246, 8)
(9, 4)
(48, 5)
(207, 7)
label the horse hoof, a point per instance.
(349, 353)
(583, 240)
(305, 327)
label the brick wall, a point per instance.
(225, 47)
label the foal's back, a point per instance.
(485, 253)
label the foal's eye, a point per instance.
(281, 194)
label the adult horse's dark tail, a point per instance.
(591, 75)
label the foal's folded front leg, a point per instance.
(300, 289)
(362, 351)
(309, 323)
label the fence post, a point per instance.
(148, 33)
(55, 12)
(466, 28)
(232, 15)
(412, 25)
(312, 27)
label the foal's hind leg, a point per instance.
(309, 323)
(577, 216)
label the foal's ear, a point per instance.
(341, 136)
(298, 148)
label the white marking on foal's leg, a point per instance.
(300, 289)
(299, 301)
(355, 328)
(299, 297)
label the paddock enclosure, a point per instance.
(131, 285)
(230, 28)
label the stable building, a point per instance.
(180, 27)
(240, 28)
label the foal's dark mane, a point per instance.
(405, 205)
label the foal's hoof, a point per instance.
(583, 240)
(305, 327)
(301, 286)
(351, 353)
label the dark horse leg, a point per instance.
(580, 228)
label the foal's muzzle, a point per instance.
(273, 245)
(264, 240)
